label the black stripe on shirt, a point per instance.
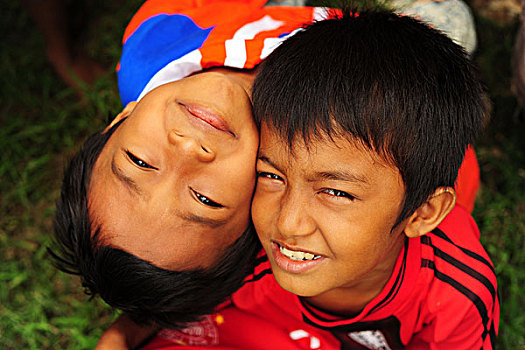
(259, 275)
(261, 260)
(470, 253)
(314, 312)
(492, 335)
(476, 300)
(461, 266)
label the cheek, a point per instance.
(261, 214)
(239, 169)
(233, 179)
(242, 189)
(354, 239)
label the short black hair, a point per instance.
(391, 82)
(145, 292)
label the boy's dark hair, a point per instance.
(391, 82)
(148, 294)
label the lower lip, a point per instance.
(209, 117)
(293, 266)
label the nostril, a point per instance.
(206, 155)
(174, 136)
(191, 146)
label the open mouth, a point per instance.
(297, 255)
(295, 261)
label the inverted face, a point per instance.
(173, 184)
(325, 215)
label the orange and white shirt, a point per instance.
(169, 40)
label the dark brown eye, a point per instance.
(338, 193)
(205, 200)
(268, 175)
(138, 161)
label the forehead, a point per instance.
(321, 151)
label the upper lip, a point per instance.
(208, 116)
(297, 249)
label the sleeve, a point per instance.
(459, 330)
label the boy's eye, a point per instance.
(270, 176)
(206, 201)
(338, 193)
(139, 161)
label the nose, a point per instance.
(190, 147)
(294, 219)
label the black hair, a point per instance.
(145, 292)
(394, 84)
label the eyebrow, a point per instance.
(268, 161)
(325, 175)
(211, 223)
(339, 176)
(129, 182)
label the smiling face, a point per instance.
(173, 184)
(325, 217)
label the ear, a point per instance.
(125, 113)
(430, 214)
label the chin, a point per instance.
(304, 289)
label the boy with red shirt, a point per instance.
(364, 123)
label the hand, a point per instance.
(124, 334)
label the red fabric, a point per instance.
(467, 183)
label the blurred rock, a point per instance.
(452, 17)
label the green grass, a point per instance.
(500, 208)
(43, 122)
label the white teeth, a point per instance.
(298, 256)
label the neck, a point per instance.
(351, 299)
